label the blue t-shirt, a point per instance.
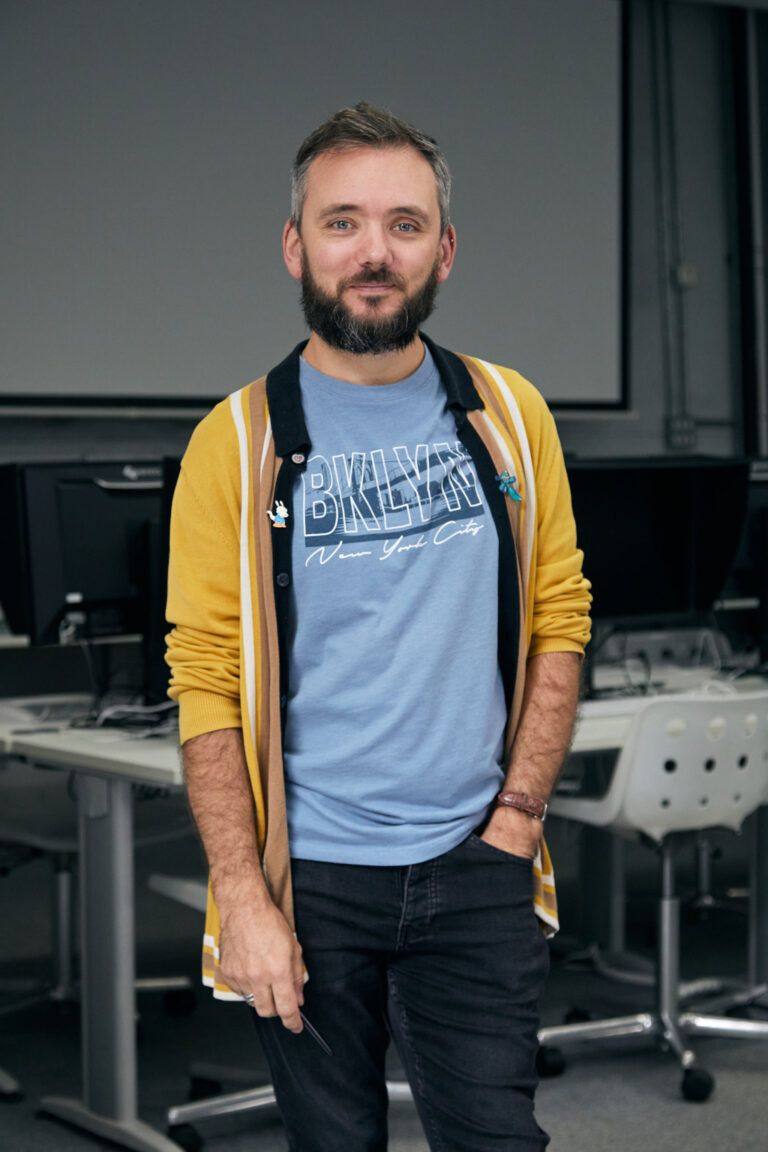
(396, 711)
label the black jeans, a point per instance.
(447, 956)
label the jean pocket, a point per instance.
(476, 842)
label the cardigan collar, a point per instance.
(289, 427)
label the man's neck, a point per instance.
(380, 368)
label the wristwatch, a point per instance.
(533, 807)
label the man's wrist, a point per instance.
(234, 892)
(513, 830)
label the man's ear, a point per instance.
(292, 249)
(447, 253)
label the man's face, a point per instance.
(370, 254)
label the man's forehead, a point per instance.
(342, 174)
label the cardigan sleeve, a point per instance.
(203, 607)
(560, 590)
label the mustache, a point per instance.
(373, 276)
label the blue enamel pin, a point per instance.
(506, 485)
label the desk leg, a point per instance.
(603, 899)
(108, 1108)
(758, 897)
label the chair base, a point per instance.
(69, 994)
(128, 1133)
(650, 1025)
(668, 1034)
(249, 1100)
(44, 994)
(667, 1026)
(630, 968)
(10, 1089)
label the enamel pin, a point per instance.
(279, 516)
(506, 485)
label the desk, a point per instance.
(107, 763)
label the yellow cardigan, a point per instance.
(223, 649)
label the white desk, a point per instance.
(102, 752)
(107, 764)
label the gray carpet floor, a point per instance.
(608, 1098)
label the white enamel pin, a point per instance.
(279, 516)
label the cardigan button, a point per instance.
(283, 579)
(298, 457)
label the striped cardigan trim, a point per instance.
(246, 605)
(515, 416)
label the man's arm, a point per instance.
(258, 951)
(541, 745)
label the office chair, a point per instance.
(689, 763)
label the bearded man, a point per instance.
(378, 619)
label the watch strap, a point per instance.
(531, 805)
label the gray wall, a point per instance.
(707, 351)
(700, 94)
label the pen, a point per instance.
(315, 1034)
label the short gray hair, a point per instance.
(366, 126)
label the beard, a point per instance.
(329, 317)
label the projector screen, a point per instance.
(148, 147)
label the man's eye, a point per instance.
(405, 226)
(341, 225)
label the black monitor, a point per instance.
(155, 625)
(659, 535)
(73, 540)
(747, 586)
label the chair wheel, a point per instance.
(186, 1137)
(179, 1002)
(201, 1087)
(549, 1061)
(697, 1084)
(577, 1016)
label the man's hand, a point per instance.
(513, 831)
(258, 953)
(261, 957)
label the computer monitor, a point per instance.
(659, 535)
(746, 590)
(73, 537)
(155, 625)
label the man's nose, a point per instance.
(374, 246)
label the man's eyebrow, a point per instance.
(338, 209)
(401, 210)
(410, 210)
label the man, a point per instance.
(379, 616)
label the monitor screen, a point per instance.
(76, 537)
(659, 535)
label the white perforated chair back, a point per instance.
(688, 762)
(693, 762)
